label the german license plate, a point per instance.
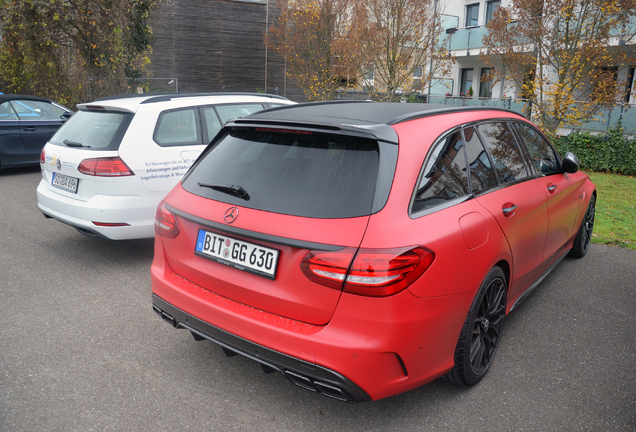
(66, 183)
(237, 253)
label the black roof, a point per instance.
(362, 112)
(6, 97)
(365, 117)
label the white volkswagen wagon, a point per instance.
(106, 170)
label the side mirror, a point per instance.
(66, 115)
(570, 163)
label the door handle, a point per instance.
(29, 129)
(552, 188)
(509, 210)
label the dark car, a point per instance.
(364, 249)
(26, 124)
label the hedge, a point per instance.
(611, 152)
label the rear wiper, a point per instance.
(236, 191)
(70, 143)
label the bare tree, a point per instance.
(310, 36)
(393, 39)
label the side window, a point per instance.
(212, 122)
(229, 112)
(444, 176)
(36, 110)
(482, 175)
(180, 127)
(541, 153)
(506, 157)
(6, 112)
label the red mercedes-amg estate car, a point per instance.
(363, 249)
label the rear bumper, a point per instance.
(304, 374)
(137, 211)
(371, 348)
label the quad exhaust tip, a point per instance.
(303, 381)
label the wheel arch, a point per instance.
(505, 266)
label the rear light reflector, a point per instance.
(373, 272)
(110, 224)
(165, 222)
(42, 156)
(105, 167)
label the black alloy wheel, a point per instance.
(584, 235)
(487, 327)
(482, 330)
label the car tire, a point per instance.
(584, 235)
(481, 333)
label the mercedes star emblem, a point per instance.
(231, 214)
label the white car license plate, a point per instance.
(66, 183)
(238, 254)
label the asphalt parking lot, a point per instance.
(81, 350)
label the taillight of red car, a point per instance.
(165, 222)
(372, 272)
(105, 167)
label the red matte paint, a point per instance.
(360, 336)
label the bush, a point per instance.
(610, 152)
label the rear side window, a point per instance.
(301, 174)
(36, 110)
(541, 153)
(445, 176)
(229, 112)
(178, 127)
(216, 116)
(212, 121)
(506, 157)
(482, 175)
(97, 130)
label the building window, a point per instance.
(368, 77)
(466, 88)
(472, 15)
(417, 73)
(485, 83)
(491, 7)
(604, 81)
(629, 83)
(527, 89)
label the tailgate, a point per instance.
(284, 289)
(60, 173)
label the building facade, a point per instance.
(216, 45)
(465, 24)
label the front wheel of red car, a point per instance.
(481, 333)
(584, 235)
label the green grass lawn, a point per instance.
(615, 222)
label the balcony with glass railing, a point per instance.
(626, 35)
(459, 39)
(466, 38)
(470, 38)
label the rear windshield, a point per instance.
(97, 130)
(300, 174)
